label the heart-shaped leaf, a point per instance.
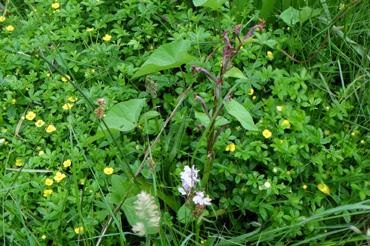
(167, 56)
(234, 72)
(290, 16)
(124, 116)
(213, 4)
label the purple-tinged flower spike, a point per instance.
(205, 71)
(200, 199)
(237, 32)
(237, 29)
(203, 103)
(261, 25)
(228, 53)
(228, 48)
(189, 178)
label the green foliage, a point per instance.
(167, 56)
(286, 155)
(241, 114)
(213, 4)
(124, 116)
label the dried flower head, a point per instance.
(100, 112)
(148, 215)
(101, 101)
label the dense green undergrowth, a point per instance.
(102, 101)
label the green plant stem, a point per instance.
(197, 231)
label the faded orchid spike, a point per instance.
(203, 103)
(237, 29)
(261, 25)
(228, 53)
(227, 41)
(205, 71)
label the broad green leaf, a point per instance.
(167, 56)
(290, 16)
(129, 210)
(306, 13)
(101, 134)
(241, 114)
(204, 119)
(213, 4)
(120, 187)
(124, 116)
(267, 8)
(234, 72)
(147, 116)
(184, 214)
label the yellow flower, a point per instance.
(39, 123)
(50, 129)
(279, 108)
(47, 192)
(362, 141)
(43, 237)
(14, 101)
(108, 170)
(72, 99)
(66, 78)
(67, 163)
(49, 182)
(107, 37)
(30, 115)
(9, 28)
(324, 188)
(254, 98)
(89, 29)
(67, 106)
(2, 18)
(285, 124)
(19, 162)
(304, 186)
(59, 176)
(270, 55)
(41, 153)
(267, 133)
(250, 91)
(355, 133)
(230, 147)
(79, 229)
(55, 6)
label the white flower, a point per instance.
(189, 177)
(267, 184)
(182, 191)
(199, 199)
